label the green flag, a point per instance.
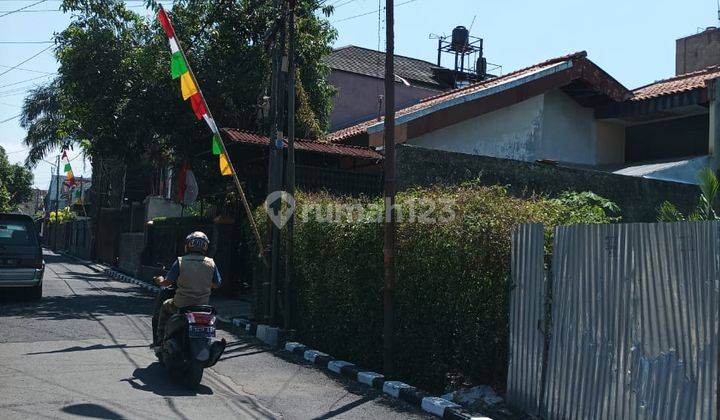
(177, 65)
(216, 147)
(67, 167)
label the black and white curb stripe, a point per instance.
(437, 406)
(434, 405)
(124, 277)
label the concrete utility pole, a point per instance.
(389, 362)
(275, 162)
(290, 170)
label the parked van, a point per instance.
(21, 258)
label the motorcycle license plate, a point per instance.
(201, 332)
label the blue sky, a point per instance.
(633, 40)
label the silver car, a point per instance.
(21, 258)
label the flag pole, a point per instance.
(215, 130)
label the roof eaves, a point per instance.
(474, 95)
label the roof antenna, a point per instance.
(474, 17)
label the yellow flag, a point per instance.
(225, 165)
(187, 86)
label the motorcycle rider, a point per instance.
(194, 275)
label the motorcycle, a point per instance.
(189, 345)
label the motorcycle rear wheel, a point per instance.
(194, 374)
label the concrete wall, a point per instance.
(357, 97)
(161, 207)
(551, 126)
(513, 132)
(610, 143)
(698, 51)
(131, 247)
(638, 198)
(568, 131)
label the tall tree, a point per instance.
(15, 184)
(114, 97)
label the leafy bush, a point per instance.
(707, 201)
(62, 216)
(452, 295)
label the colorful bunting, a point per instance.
(187, 86)
(211, 123)
(165, 22)
(179, 68)
(198, 106)
(224, 165)
(216, 146)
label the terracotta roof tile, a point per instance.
(348, 132)
(246, 137)
(677, 84)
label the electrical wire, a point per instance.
(369, 13)
(10, 119)
(25, 61)
(22, 8)
(28, 70)
(26, 80)
(24, 42)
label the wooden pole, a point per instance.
(389, 360)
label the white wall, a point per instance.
(514, 132)
(552, 126)
(569, 130)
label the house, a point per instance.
(358, 74)
(66, 195)
(569, 111)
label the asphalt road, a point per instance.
(82, 351)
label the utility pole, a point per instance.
(57, 202)
(290, 170)
(275, 163)
(389, 362)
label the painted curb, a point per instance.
(436, 406)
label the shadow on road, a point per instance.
(156, 379)
(93, 347)
(93, 411)
(76, 306)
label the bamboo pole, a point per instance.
(238, 185)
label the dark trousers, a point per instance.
(162, 296)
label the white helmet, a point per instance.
(197, 242)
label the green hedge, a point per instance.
(452, 282)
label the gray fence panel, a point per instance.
(634, 322)
(527, 300)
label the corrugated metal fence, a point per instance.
(634, 322)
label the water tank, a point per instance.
(460, 39)
(481, 67)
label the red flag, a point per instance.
(198, 106)
(64, 155)
(165, 22)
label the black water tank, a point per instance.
(460, 39)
